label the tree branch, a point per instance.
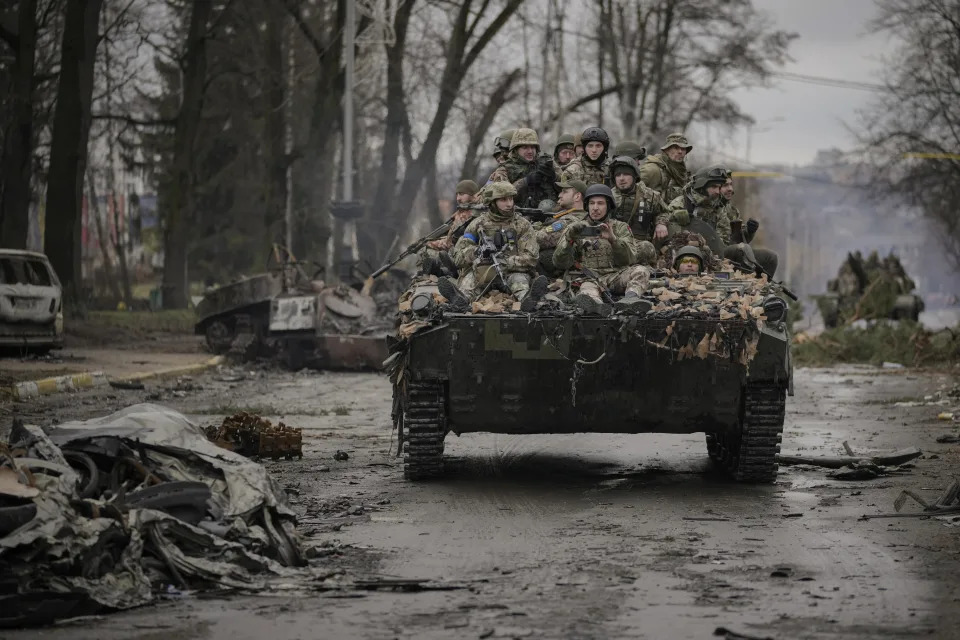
(492, 29)
(139, 122)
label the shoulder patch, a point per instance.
(557, 226)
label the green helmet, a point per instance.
(688, 250)
(524, 136)
(565, 139)
(468, 187)
(624, 161)
(498, 190)
(501, 144)
(708, 176)
(630, 148)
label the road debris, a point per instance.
(945, 415)
(948, 438)
(946, 503)
(723, 632)
(341, 456)
(894, 459)
(107, 513)
(255, 437)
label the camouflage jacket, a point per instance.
(694, 205)
(549, 234)
(519, 254)
(687, 238)
(642, 208)
(460, 218)
(731, 210)
(664, 175)
(583, 169)
(602, 256)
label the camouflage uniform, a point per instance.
(695, 204)
(583, 168)
(661, 173)
(678, 241)
(565, 139)
(429, 258)
(518, 259)
(615, 263)
(641, 207)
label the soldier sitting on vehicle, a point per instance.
(630, 148)
(591, 167)
(501, 145)
(766, 258)
(666, 171)
(701, 199)
(563, 152)
(601, 256)
(688, 261)
(529, 171)
(570, 201)
(498, 249)
(638, 205)
(434, 259)
(680, 241)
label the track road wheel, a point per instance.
(750, 455)
(424, 424)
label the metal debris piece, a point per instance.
(947, 502)
(896, 458)
(252, 436)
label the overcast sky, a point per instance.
(795, 120)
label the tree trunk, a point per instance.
(93, 208)
(18, 140)
(68, 150)
(275, 157)
(179, 212)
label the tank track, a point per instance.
(424, 424)
(751, 454)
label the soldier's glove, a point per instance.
(752, 226)
(680, 216)
(545, 168)
(534, 179)
(575, 228)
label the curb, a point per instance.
(58, 384)
(90, 379)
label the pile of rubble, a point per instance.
(108, 513)
(256, 437)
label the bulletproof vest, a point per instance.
(637, 214)
(596, 254)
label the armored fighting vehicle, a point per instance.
(869, 289)
(712, 355)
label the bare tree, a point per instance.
(68, 154)
(911, 133)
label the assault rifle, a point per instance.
(436, 234)
(487, 250)
(533, 214)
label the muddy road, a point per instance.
(582, 536)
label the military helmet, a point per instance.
(677, 140)
(630, 148)
(595, 134)
(688, 250)
(501, 144)
(502, 189)
(565, 139)
(524, 136)
(624, 161)
(600, 190)
(708, 176)
(468, 187)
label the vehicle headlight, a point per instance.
(775, 308)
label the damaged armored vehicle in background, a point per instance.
(712, 355)
(301, 320)
(869, 289)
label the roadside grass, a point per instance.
(166, 321)
(905, 343)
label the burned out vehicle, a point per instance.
(712, 355)
(871, 288)
(31, 301)
(287, 314)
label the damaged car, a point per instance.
(31, 301)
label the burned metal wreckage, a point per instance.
(284, 312)
(712, 355)
(107, 514)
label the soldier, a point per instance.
(591, 167)
(531, 175)
(563, 152)
(701, 199)
(610, 252)
(689, 261)
(666, 171)
(570, 202)
(501, 145)
(680, 241)
(430, 260)
(516, 253)
(637, 204)
(577, 145)
(630, 148)
(766, 258)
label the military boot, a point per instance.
(455, 298)
(632, 303)
(538, 289)
(589, 306)
(447, 266)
